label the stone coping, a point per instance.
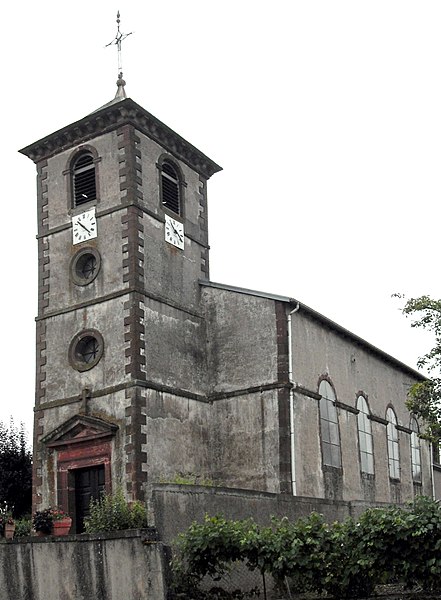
(148, 535)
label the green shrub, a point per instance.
(209, 548)
(348, 569)
(112, 512)
(23, 527)
(297, 551)
(418, 558)
(138, 515)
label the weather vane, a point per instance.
(117, 42)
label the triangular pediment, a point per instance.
(79, 428)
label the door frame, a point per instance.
(82, 442)
(68, 464)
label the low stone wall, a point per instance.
(124, 565)
(174, 507)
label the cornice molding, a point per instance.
(299, 389)
(159, 387)
(346, 407)
(377, 419)
(112, 117)
(137, 289)
(404, 429)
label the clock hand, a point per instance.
(83, 226)
(176, 231)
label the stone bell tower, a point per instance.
(122, 243)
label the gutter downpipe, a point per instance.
(291, 401)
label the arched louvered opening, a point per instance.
(170, 188)
(84, 182)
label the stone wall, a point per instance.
(128, 564)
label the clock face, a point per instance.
(84, 226)
(174, 232)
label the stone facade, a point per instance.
(193, 377)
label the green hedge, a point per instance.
(112, 512)
(343, 559)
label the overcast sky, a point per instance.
(325, 115)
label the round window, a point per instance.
(85, 266)
(86, 349)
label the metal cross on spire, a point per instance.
(120, 93)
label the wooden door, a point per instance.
(89, 483)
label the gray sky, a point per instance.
(325, 115)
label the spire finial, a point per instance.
(120, 92)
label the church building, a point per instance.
(147, 369)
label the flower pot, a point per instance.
(9, 530)
(62, 527)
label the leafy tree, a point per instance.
(15, 469)
(424, 399)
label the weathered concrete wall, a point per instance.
(123, 565)
(243, 354)
(63, 381)
(174, 348)
(175, 507)
(177, 434)
(172, 274)
(244, 441)
(242, 340)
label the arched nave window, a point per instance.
(330, 436)
(415, 450)
(365, 437)
(393, 450)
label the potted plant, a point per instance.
(42, 521)
(61, 522)
(9, 528)
(51, 521)
(7, 523)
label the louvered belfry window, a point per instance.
(170, 188)
(84, 183)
